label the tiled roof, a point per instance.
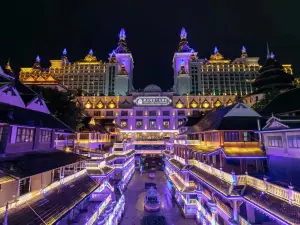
(31, 163)
(21, 116)
(100, 171)
(51, 206)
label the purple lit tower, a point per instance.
(120, 68)
(181, 61)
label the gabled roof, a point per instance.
(276, 123)
(28, 164)
(238, 116)
(14, 115)
(285, 102)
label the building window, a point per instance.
(166, 113)
(152, 123)
(212, 137)
(152, 113)
(250, 137)
(110, 113)
(45, 135)
(275, 141)
(24, 186)
(294, 141)
(123, 123)
(231, 136)
(180, 122)
(166, 123)
(124, 113)
(139, 123)
(24, 135)
(97, 113)
(139, 113)
(181, 113)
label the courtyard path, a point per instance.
(134, 198)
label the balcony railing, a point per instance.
(287, 194)
(64, 143)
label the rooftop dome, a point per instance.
(152, 88)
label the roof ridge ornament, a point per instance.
(64, 52)
(122, 34)
(244, 52)
(183, 33)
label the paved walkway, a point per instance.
(134, 198)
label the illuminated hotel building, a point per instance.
(90, 75)
(216, 75)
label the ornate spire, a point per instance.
(183, 33)
(90, 57)
(37, 64)
(122, 34)
(183, 44)
(8, 67)
(182, 68)
(123, 70)
(268, 51)
(244, 53)
(112, 58)
(122, 46)
(217, 55)
(64, 57)
(193, 56)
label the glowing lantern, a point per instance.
(179, 104)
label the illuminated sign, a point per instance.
(152, 100)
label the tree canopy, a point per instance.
(63, 106)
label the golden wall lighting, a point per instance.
(100, 105)
(88, 104)
(179, 104)
(218, 103)
(194, 104)
(111, 105)
(205, 104)
(229, 103)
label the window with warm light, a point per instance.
(124, 123)
(152, 123)
(139, 123)
(205, 104)
(180, 122)
(166, 123)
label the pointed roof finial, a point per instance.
(216, 50)
(183, 33)
(8, 67)
(91, 52)
(122, 34)
(244, 49)
(65, 51)
(244, 52)
(272, 55)
(268, 51)
(182, 63)
(38, 59)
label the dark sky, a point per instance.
(45, 27)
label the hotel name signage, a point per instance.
(152, 101)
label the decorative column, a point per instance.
(234, 220)
(213, 210)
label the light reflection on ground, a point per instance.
(134, 198)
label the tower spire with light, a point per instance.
(64, 57)
(122, 45)
(183, 44)
(244, 52)
(37, 64)
(182, 68)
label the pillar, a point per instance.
(214, 159)
(36, 139)
(213, 215)
(4, 139)
(250, 213)
(71, 215)
(221, 160)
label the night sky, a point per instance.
(45, 27)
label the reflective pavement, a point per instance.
(134, 202)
